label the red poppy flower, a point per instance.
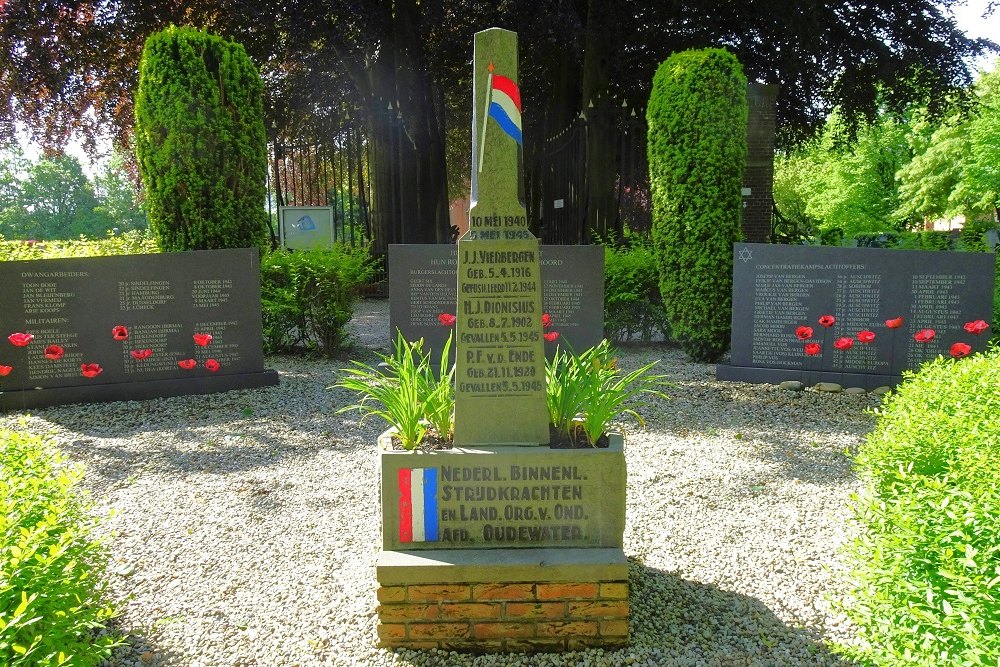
(119, 332)
(804, 333)
(20, 339)
(959, 350)
(844, 343)
(212, 365)
(866, 336)
(546, 320)
(550, 335)
(447, 319)
(90, 370)
(827, 320)
(812, 349)
(976, 327)
(894, 324)
(5, 370)
(187, 364)
(54, 352)
(924, 335)
(141, 354)
(202, 339)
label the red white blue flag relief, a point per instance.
(418, 506)
(505, 105)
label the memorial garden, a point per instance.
(605, 414)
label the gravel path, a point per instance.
(246, 524)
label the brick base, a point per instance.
(506, 616)
(458, 606)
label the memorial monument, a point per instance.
(501, 543)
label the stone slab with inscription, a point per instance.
(130, 327)
(503, 497)
(499, 337)
(778, 288)
(422, 285)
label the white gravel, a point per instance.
(245, 524)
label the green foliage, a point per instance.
(925, 573)
(200, 142)
(632, 303)
(409, 396)
(697, 117)
(53, 597)
(308, 297)
(585, 391)
(130, 243)
(983, 177)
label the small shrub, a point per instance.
(632, 303)
(53, 598)
(926, 564)
(307, 298)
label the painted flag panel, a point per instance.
(505, 106)
(418, 510)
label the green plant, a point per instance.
(632, 303)
(308, 297)
(132, 242)
(200, 142)
(585, 391)
(697, 117)
(408, 394)
(924, 566)
(53, 596)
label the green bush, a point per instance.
(632, 303)
(53, 598)
(200, 142)
(697, 117)
(926, 563)
(308, 297)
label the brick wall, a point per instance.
(759, 174)
(505, 616)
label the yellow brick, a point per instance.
(535, 645)
(567, 591)
(391, 631)
(614, 628)
(503, 592)
(503, 630)
(611, 591)
(407, 612)
(514, 611)
(439, 630)
(473, 646)
(616, 609)
(583, 644)
(391, 594)
(440, 592)
(470, 610)
(568, 629)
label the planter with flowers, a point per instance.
(567, 492)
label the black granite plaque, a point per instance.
(423, 284)
(779, 288)
(129, 327)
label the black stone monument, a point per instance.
(131, 327)
(779, 288)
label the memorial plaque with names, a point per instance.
(508, 497)
(130, 327)
(778, 288)
(422, 285)
(500, 353)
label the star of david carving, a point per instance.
(746, 255)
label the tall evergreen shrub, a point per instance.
(697, 117)
(200, 142)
